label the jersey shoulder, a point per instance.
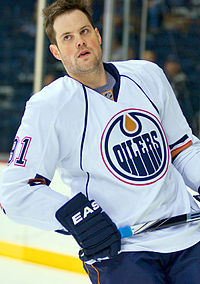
(50, 101)
(55, 95)
(137, 67)
(59, 90)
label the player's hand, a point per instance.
(94, 231)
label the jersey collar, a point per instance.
(109, 67)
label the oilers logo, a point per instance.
(134, 147)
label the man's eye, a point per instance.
(67, 37)
(85, 31)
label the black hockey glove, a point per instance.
(94, 231)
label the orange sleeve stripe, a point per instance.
(178, 150)
(86, 268)
(97, 274)
(37, 180)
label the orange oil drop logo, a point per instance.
(130, 124)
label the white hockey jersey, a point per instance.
(118, 153)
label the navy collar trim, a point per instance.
(109, 67)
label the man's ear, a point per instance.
(98, 36)
(54, 50)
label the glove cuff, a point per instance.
(76, 210)
(73, 204)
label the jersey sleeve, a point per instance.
(178, 132)
(184, 146)
(187, 162)
(35, 152)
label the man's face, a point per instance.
(78, 43)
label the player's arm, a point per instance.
(35, 152)
(185, 148)
(27, 198)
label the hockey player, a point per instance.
(117, 136)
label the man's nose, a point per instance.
(80, 42)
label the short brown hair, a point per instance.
(59, 7)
